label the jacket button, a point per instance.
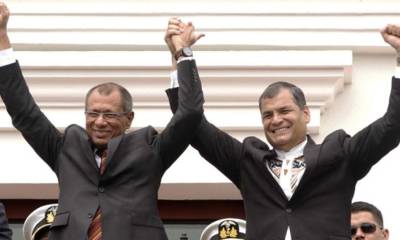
(101, 189)
(288, 210)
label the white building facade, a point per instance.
(332, 50)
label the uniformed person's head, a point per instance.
(367, 222)
(37, 224)
(225, 229)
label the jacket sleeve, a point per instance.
(176, 137)
(369, 145)
(214, 145)
(26, 115)
(5, 231)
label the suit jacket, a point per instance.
(320, 207)
(127, 190)
(5, 231)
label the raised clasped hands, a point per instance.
(180, 35)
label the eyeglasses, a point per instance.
(365, 228)
(105, 115)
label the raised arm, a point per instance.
(25, 114)
(177, 135)
(373, 142)
(216, 146)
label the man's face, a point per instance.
(101, 129)
(285, 124)
(366, 219)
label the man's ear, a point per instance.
(386, 233)
(307, 114)
(130, 117)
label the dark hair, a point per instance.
(106, 89)
(274, 89)
(367, 207)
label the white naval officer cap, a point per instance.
(39, 220)
(225, 229)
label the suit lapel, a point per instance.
(271, 180)
(311, 153)
(89, 156)
(111, 149)
(92, 159)
(261, 153)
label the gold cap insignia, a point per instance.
(228, 229)
(50, 214)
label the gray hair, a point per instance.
(106, 89)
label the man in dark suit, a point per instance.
(108, 179)
(5, 231)
(300, 190)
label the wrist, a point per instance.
(183, 52)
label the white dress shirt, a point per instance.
(284, 180)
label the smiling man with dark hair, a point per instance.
(299, 189)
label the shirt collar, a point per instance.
(295, 152)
